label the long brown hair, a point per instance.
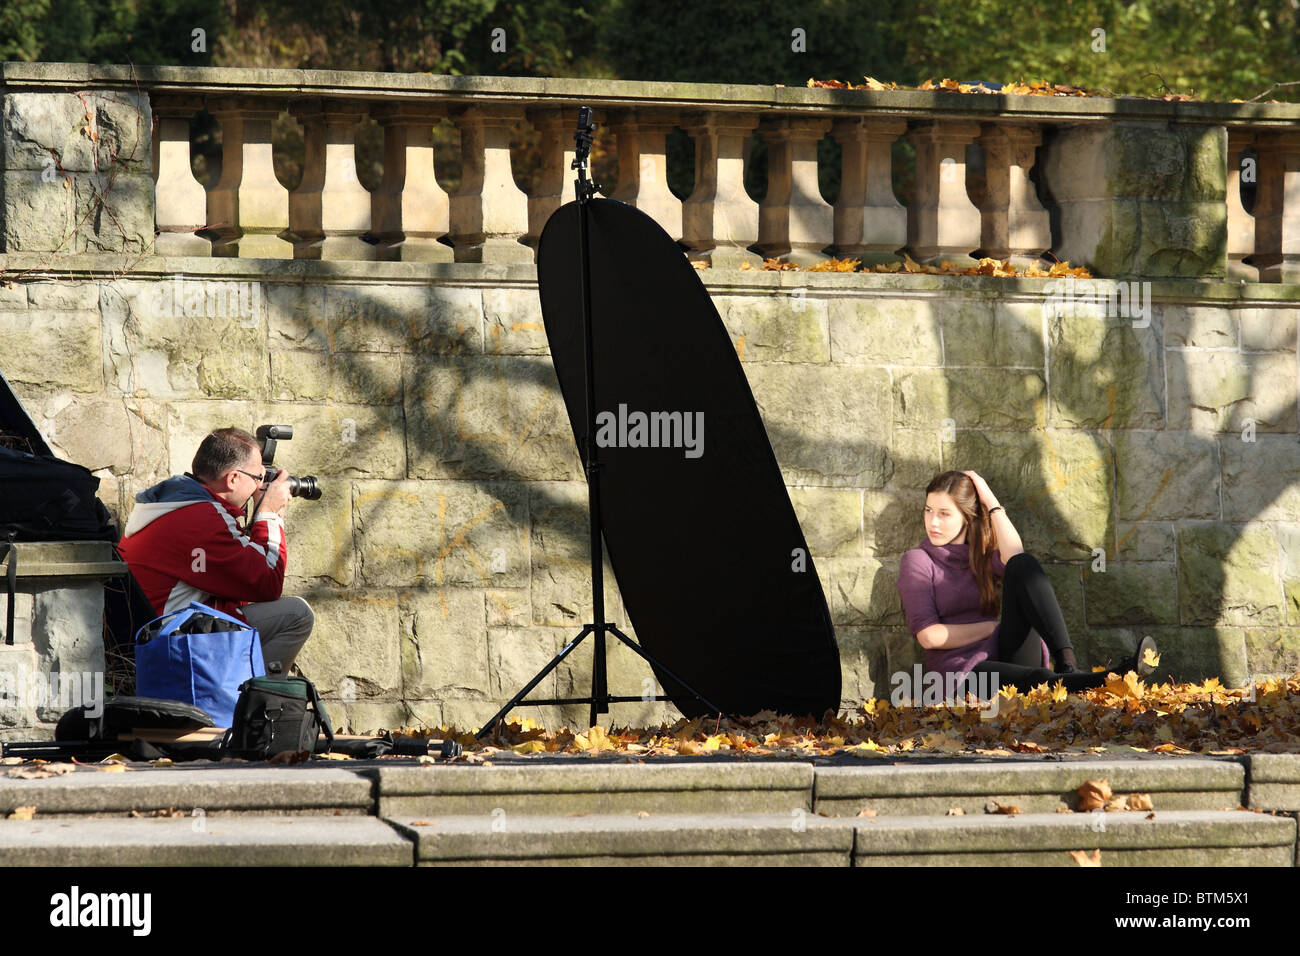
(980, 536)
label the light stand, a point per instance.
(600, 698)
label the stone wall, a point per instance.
(447, 560)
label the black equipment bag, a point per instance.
(273, 715)
(43, 498)
(121, 715)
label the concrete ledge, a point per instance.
(619, 788)
(1174, 838)
(1274, 782)
(656, 840)
(223, 842)
(267, 790)
(1185, 784)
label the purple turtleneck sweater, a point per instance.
(938, 586)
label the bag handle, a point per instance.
(320, 713)
(11, 585)
(194, 608)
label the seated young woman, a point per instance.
(949, 587)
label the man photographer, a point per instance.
(186, 540)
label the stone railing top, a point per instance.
(67, 559)
(627, 94)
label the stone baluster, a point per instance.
(329, 212)
(942, 222)
(1241, 224)
(794, 221)
(719, 219)
(409, 210)
(248, 208)
(643, 167)
(180, 201)
(555, 181)
(1277, 207)
(489, 213)
(1013, 223)
(870, 222)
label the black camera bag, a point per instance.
(274, 715)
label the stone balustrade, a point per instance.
(1125, 186)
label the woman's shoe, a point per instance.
(1136, 662)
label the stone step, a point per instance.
(1274, 782)
(1174, 838)
(1129, 838)
(210, 841)
(291, 790)
(1039, 787)
(607, 788)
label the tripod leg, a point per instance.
(514, 701)
(654, 663)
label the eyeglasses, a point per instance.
(260, 479)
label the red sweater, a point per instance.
(183, 544)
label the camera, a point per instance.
(305, 487)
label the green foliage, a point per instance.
(1215, 49)
(750, 41)
(108, 31)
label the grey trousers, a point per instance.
(283, 626)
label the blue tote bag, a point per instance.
(199, 656)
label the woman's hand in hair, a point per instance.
(987, 498)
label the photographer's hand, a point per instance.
(276, 496)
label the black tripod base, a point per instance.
(600, 698)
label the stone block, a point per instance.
(1165, 475)
(52, 349)
(1127, 594)
(488, 418)
(1288, 537)
(63, 296)
(372, 717)
(189, 422)
(319, 534)
(405, 317)
(1268, 330)
(440, 534)
(1223, 391)
(864, 664)
(1197, 326)
(515, 655)
(204, 347)
(892, 522)
(1106, 373)
(355, 647)
(880, 331)
(560, 549)
(13, 296)
(108, 435)
(508, 607)
(1229, 574)
(513, 322)
(831, 519)
(444, 644)
(915, 457)
(971, 397)
(370, 378)
(1055, 484)
(87, 132)
(626, 675)
(1261, 478)
(337, 440)
(861, 592)
(1272, 650)
(988, 333)
(296, 314)
(828, 424)
(1067, 585)
(1144, 541)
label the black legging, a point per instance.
(1030, 611)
